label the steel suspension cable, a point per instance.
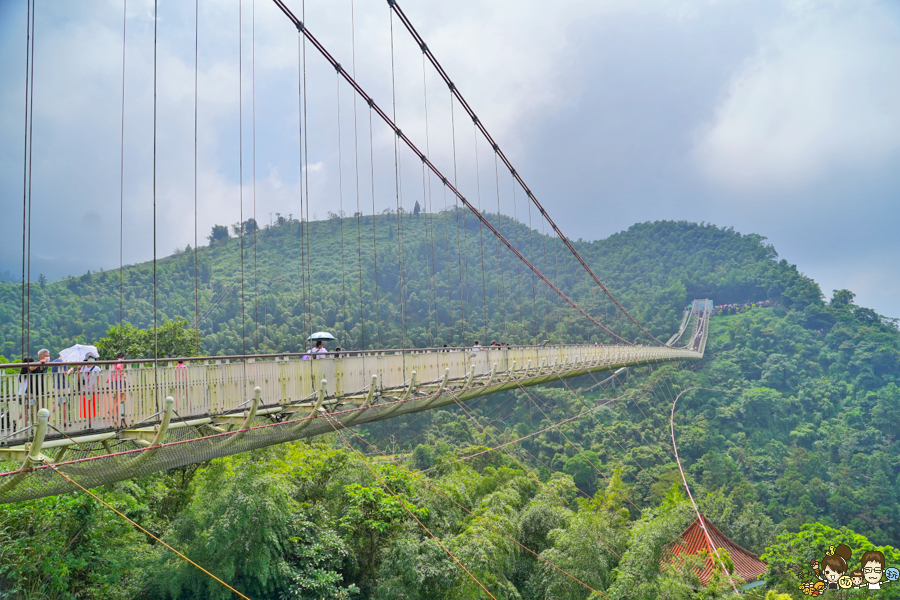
(56, 470)
(481, 238)
(691, 496)
(429, 209)
(301, 160)
(404, 504)
(464, 250)
(446, 219)
(308, 232)
(337, 80)
(29, 8)
(397, 186)
(155, 286)
(455, 92)
(122, 186)
(534, 257)
(502, 302)
(241, 165)
(253, 134)
(196, 96)
(432, 313)
(362, 320)
(529, 473)
(424, 480)
(374, 238)
(30, 185)
(308, 36)
(599, 472)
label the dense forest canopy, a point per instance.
(790, 446)
(295, 285)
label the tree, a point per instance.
(842, 298)
(417, 209)
(175, 338)
(42, 280)
(219, 233)
(250, 226)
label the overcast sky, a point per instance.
(777, 118)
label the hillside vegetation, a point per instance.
(654, 269)
(790, 446)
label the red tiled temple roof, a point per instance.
(692, 541)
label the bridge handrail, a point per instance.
(105, 399)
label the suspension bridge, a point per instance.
(104, 425)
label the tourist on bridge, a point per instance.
(117, 387)
(90, 373)
(317, 349)
(318, 338)
(31, 385)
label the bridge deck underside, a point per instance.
(102, 457)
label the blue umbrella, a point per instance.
(321, 335)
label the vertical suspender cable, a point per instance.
(429, 210)
(253, 134)
(459, 249)
(28, 18)
(362, 320)
(499, 253)
(520, 313)
(30, 186)
(302, 172)
(241, 165)
(374, 239)
(155, 312)
(397, 191)
(534, 258)
(481, 236)
(337, 82)
(196, 88)
(451, 329)
(122, 186)
(306, 172)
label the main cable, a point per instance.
(307, 35)
(454, 91)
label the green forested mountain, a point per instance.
(294, 283)
(789, 443)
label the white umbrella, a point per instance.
(321, 335)
(78, 353)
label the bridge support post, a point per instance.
(368, 401)
(512, 371)
(491, 375)
(320, 398)
(153, 446)
(34, 455)
(471, 377)
(248, 420)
